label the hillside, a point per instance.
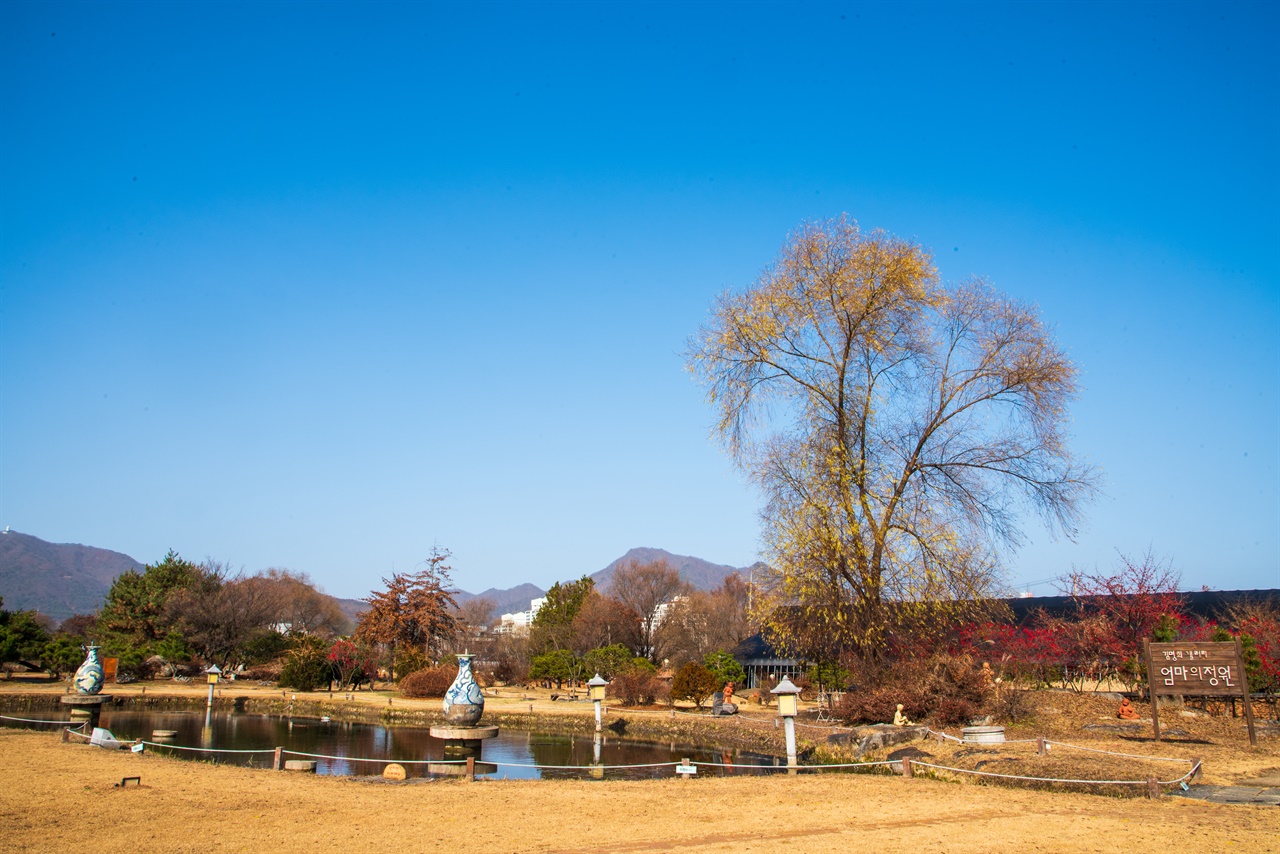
(506, 601)
(61, 579)
(58, 579)
(702, 574)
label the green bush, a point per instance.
(307, 667)
(609, 661)
(725, 668)
(62, 654)
(265, 648)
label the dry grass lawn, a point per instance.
(56, 796)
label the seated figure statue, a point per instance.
(899, 719)
(1127, 711)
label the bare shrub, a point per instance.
(427, 682)
(638, 688)
(1011, 704)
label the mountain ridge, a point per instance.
(61, 579)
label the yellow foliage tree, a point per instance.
(896, 426)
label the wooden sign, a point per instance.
(1209, 669)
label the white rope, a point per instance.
(1113, 753)
(1050, 779)
(33, 721)
(359, 759)
(586, 767)
(202, 749)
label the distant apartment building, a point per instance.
(519, 622)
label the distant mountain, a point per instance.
(507, 601)
(58, 579)
(64, 579)
(702, 574)
(351, 609)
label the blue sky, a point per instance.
(319, 285)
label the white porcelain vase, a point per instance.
(89, 677)
(463, 702)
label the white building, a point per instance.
(519, 622)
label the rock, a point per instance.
(908, 753)
(306, 765)
(724, 709)
(878, 737)
(394, 771)
(985, 720)
(1122, 729)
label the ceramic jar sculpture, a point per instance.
(89, 677)
(463, 702)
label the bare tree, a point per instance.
(303, 607)
(897, 428)
(705, 622)
(604, 621)
(645, 588)
(220, 611)
(475, 614)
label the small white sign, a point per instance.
(686, 769)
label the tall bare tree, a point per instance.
(604, 621)
(645, 588)
(897, 428)
(221, 611)
(416, 610)
(302, 607)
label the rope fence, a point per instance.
(64, 721)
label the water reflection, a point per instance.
(344, 748)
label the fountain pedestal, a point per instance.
(85, 707)
(462, 742)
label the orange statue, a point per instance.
(1127, 711)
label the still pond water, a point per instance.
(364, 749)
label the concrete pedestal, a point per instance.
(87, 707)
(463, 742)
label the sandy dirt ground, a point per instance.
(56, 796)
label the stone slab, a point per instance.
(463, 733)
(446, 769)
(307, 765)
(84, 699)
(1254, 795)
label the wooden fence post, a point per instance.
(907, 773)
(471, 770)
(277, 762)
(1153, 789)
(1041, 747)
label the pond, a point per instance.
(360, 749)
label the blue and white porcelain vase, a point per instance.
(89, 677)
(463, 702)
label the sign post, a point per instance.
(1205, 669)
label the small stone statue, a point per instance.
(899, 719)
(1126, 711)
(988, 678)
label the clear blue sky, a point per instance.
(318, 285)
